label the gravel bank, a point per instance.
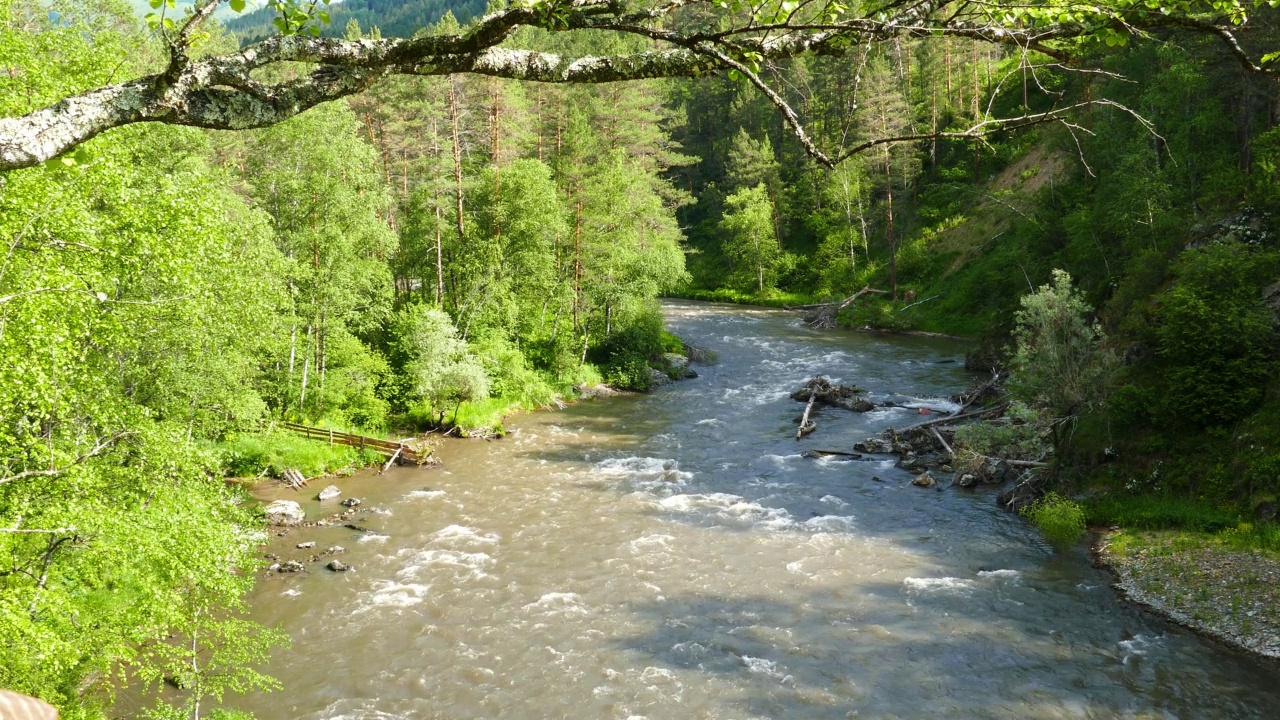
(1230, 595)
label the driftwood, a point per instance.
(806, 425)
(823, 315)
(979, 392)
(392, 461)
(837, 453)
(951, 418)
(294, 479)
(945, 446)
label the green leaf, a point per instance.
(237, 6)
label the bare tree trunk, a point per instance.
(439, 255)
(306, 365)
(455, 115)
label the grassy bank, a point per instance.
(271, 453)
(769, 298)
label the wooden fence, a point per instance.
(391, 448)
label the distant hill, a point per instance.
(394, 18)
(142, 7)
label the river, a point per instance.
(673, 556)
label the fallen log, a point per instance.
(837, 453)
(945, 446)
(391, 461)
(951, 418)
(824, 315)
(806, 426)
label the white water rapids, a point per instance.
(673, 556)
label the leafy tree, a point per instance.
(750, 242)
(1059, 362)
(437, 366)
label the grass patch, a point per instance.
(769, 298)
(1159, 512)
(273, 453)
(1060, 519)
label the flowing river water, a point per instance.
(673, 556)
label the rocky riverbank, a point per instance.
(1197, 581)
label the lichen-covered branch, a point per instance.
(220, 92)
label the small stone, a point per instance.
(273, 567)
(967, 480)
(351, 502)
(291, 566)
(338, 566)
(306, 545)
(329, 493)
(925, 481)
(271, 556)
(335, 550)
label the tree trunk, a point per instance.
(455, 115)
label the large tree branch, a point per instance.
(221, 92)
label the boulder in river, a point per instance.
(351, 502)
(657, 378)
(306, 545)
(874, 445)
(338, 566)
(678, 365)
(291, 566)
(329, 493)
(284, 512)
(925, 481)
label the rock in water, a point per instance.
(284, 512)
(338, 566)
(968, 480)
(291, 566)
(335, 550)
(306, 545)
(329, 493)
(925, 481)
(657, 378)
(351, 502)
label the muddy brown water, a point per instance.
(673, 556)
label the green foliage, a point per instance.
(1215, 334)
(436, 364)
(1159, 512)
(1060, 519)
(625, 356)
(1021, 437)
(1059, 362)
(750, 242)
(251, 455)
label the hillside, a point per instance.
(393, 18)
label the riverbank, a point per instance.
(1199, 581)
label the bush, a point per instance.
(624, 356)
(1060, 519)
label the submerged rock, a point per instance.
(329, 493)
(284, 512)
(306, 545)
(338, 566)
(351, 502)
(291, 566)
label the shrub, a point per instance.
(1060, 519)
